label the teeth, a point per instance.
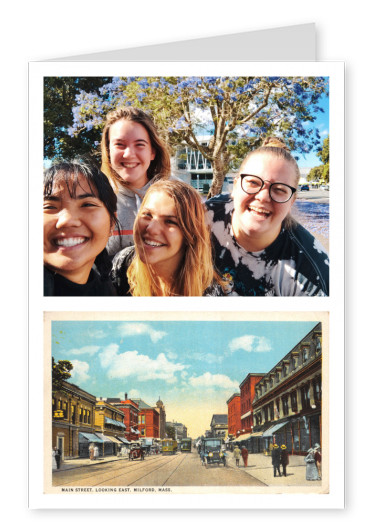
(260, 211)
(133, 165)
(69, 242)
(153, 244)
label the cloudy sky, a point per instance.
(193, 366)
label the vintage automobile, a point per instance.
(136, 451)
(212, 452)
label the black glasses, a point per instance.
(279, 192)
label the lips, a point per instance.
(69, 242)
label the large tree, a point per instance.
(61, 372)
(59, 98)
(237, 112)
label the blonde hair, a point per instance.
(160, 167)
(196, 272)
(275, 147)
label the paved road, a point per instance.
(157, 470)
(315, 196)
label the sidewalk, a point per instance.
(260, 467)
(80, 462)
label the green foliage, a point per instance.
(170, 432)
(60, 373)
(59, 99)
(237, 112)
(321, 173)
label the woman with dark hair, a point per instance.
(172, 253)
(79, 212)
(259, 248)
(134, 156)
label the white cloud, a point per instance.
(213, 380)
(140, 366)
(90, 349)
(141, 329)
(80, 371)
(250, 343)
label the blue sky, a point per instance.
(193, 366)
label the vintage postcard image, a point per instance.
(202, 404)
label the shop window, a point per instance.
(304, 393)
(294, 403)
(285, 405)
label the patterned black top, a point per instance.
(295, 264)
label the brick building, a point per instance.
(287, 403)
(73, 420)
(131, 412)
(148, 419)
(233, 414)
(111, 430)
(247, 394)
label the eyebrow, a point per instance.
(148, 210)
(80, 196)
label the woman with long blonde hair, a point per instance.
(172, 255)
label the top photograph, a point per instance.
(186, 186)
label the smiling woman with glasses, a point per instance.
(259, 248)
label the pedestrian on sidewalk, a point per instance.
(317, 456)
(57, 457)
(245, 456)
(91, 451)
(96, 452)
(54, 465)
(276, 460)
(237, 454)
(142, 454)
(284, 459)
(311, 468)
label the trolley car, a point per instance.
(169, 446)
(186, 445)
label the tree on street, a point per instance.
(321, 173)
(236, 113)
(61, 372)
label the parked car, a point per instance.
(304, 187)
(325, 187)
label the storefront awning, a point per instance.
(89, 437)
(113, 422)
(269, 432)
(243, 437)
(102, 437)
(113, 439)
(257, 434)
(123, 440)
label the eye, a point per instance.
(171, 222)
(49, 206)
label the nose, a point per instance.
(67, 218)
(128, 151)
(264, 192)
(153, 226)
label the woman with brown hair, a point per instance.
(134, 156)
(259, 247)
(172, 254)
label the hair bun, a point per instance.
(273, 141)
